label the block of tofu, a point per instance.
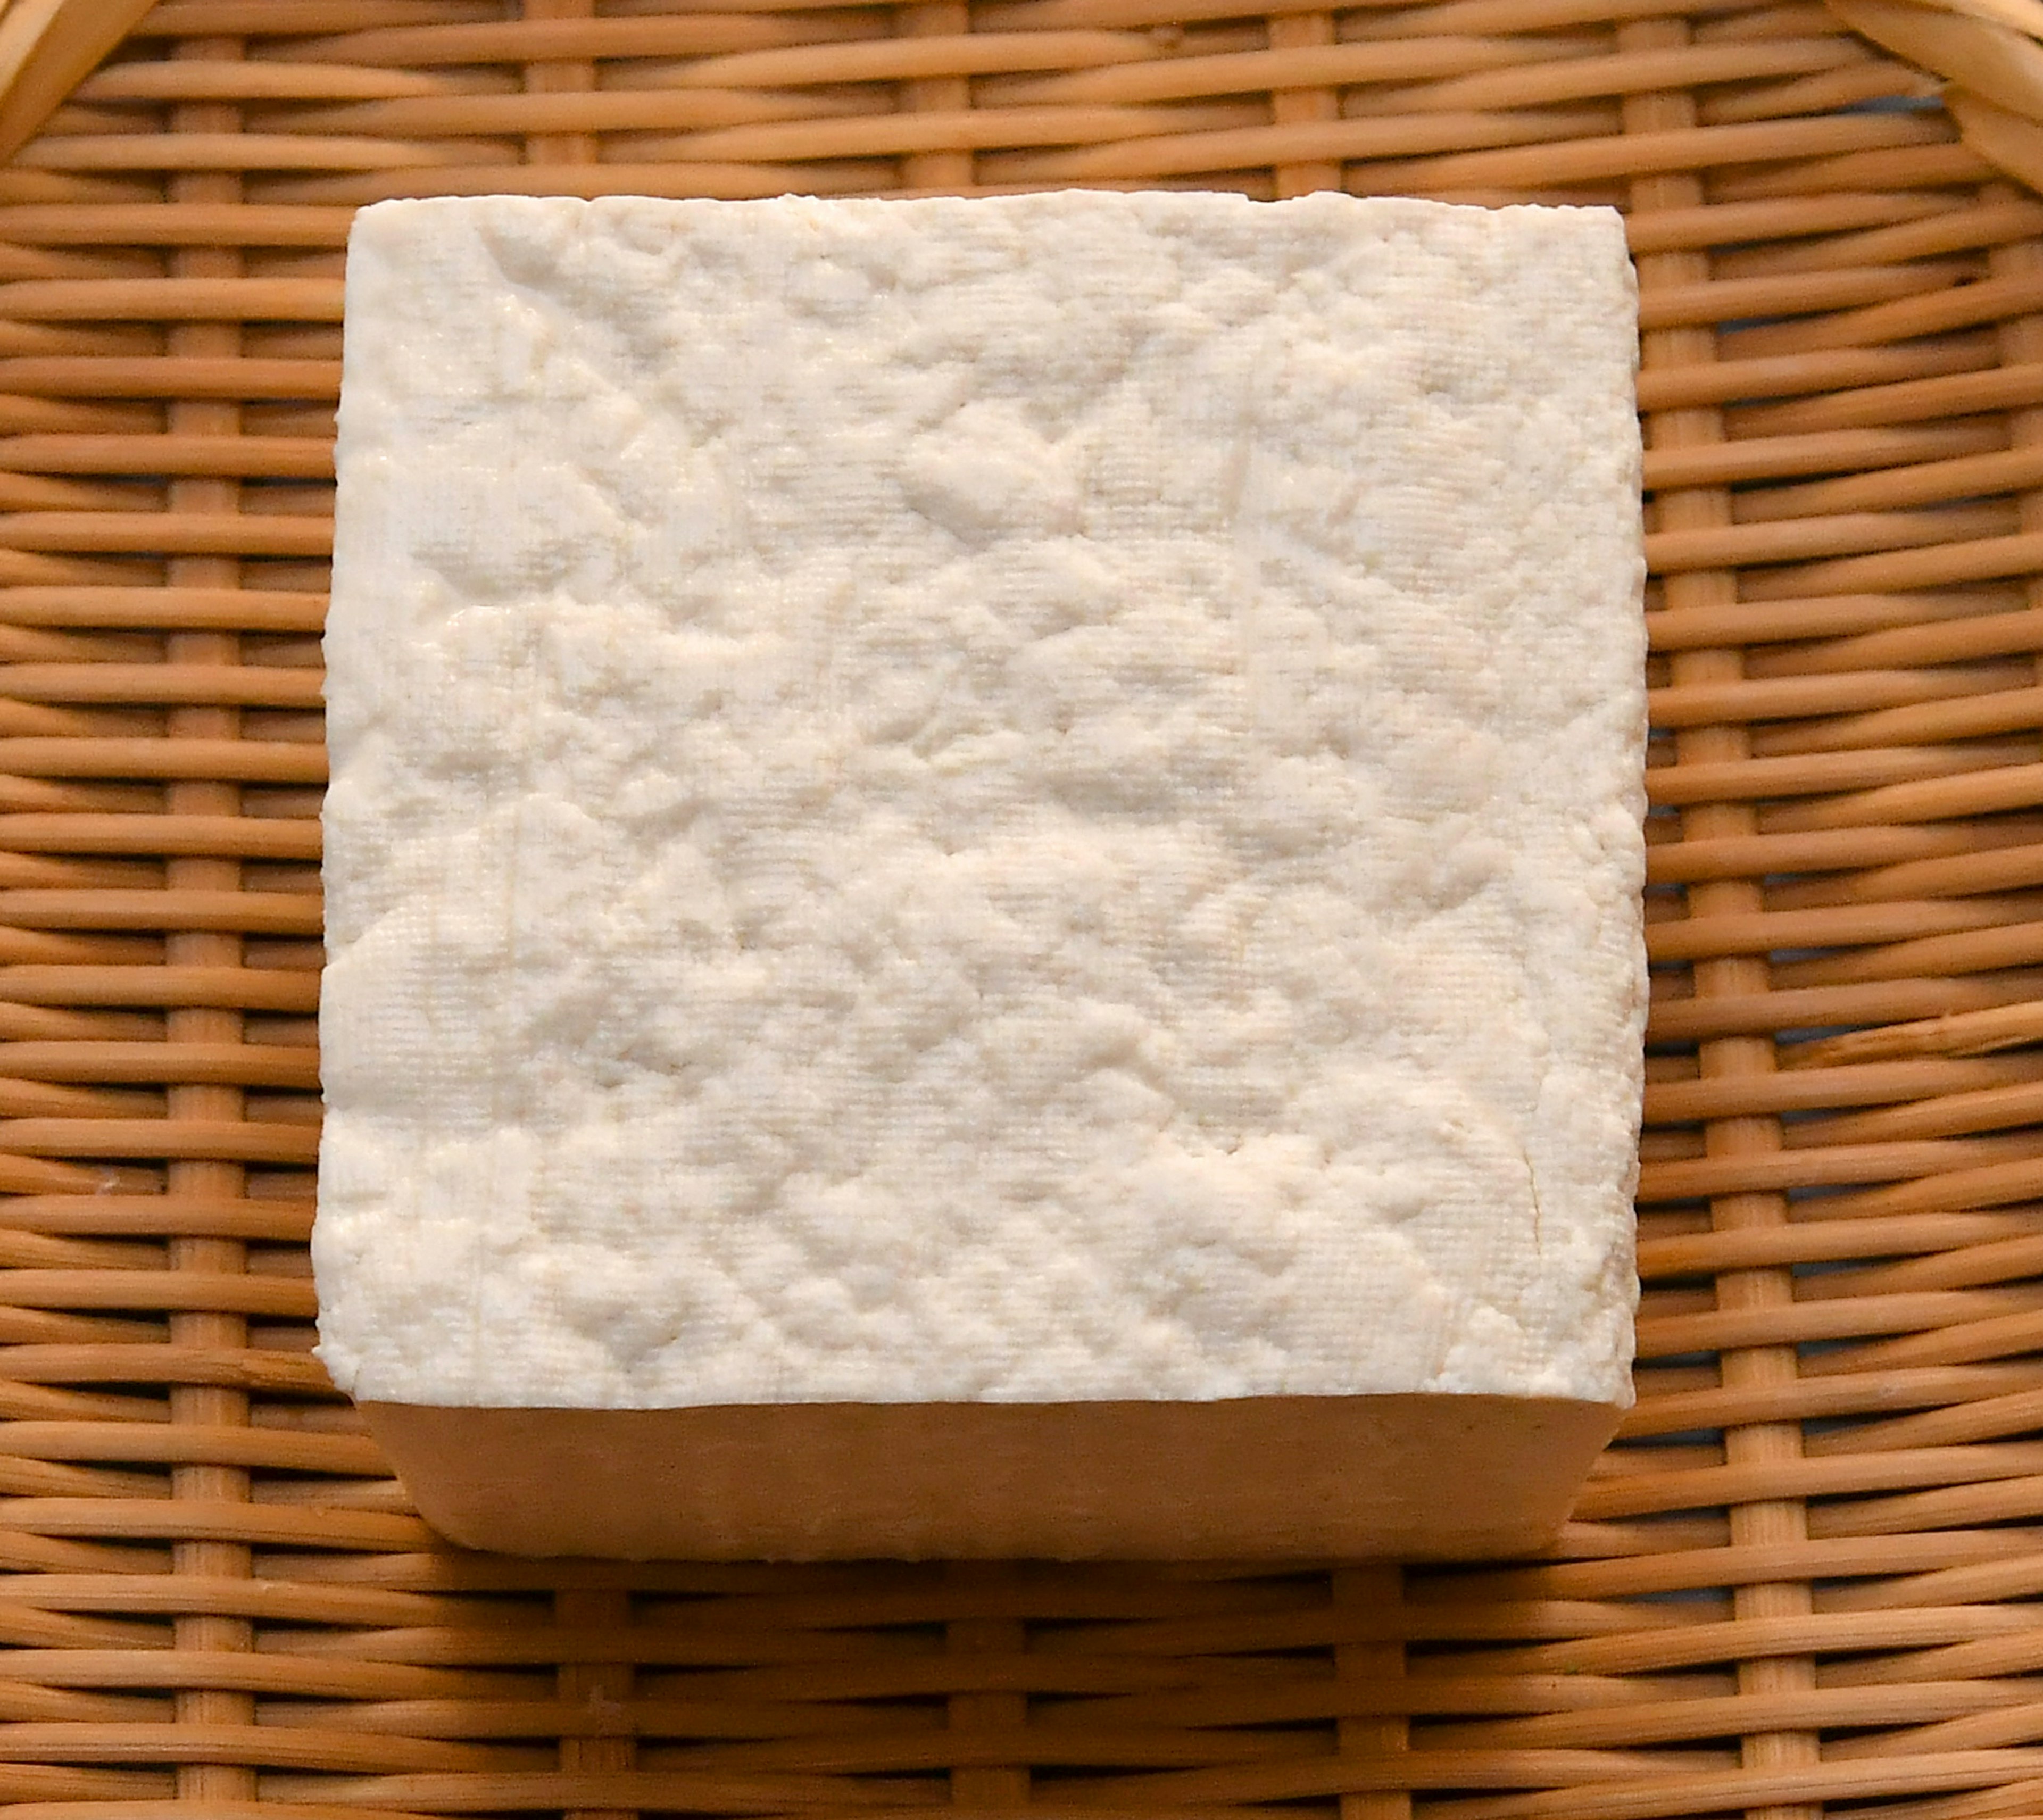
(984, 870)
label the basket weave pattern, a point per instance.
(1801, 1580)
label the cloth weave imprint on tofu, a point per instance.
(1033, 799)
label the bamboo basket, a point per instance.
(1803, 1579)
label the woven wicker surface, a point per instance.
(1802, 1580)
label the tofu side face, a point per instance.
(1028, 799)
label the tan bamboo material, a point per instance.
(1803, 1580)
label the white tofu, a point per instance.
(1032, 799)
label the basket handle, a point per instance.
(1987, 52)
(47, 48)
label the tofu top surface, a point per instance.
(1025, 798)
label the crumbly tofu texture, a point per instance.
(1035, 799)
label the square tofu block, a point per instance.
(983, 871)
